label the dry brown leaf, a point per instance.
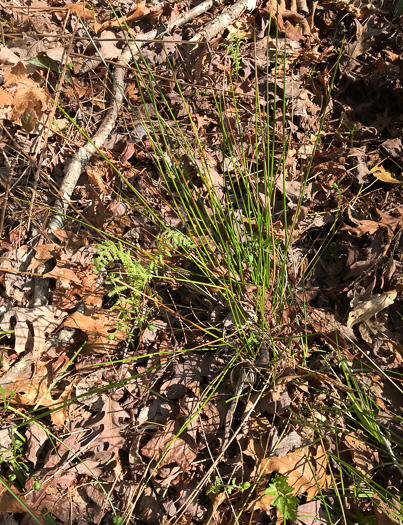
(364, 310)
(363, 227)
(31, 391)
(12, 74)
(96, 172)
(323, 379)
(305, 470)
(385, 176)
(64, 274)
(108, 49)
(22, 94)
(165, 448)
(308, 513)
(7, 56)
(384, 513)
(140, 10)
(59, 417)
(109, 427)
(368, 226)
(43, 254)
(8, 503)
(98, 328)
(363, 456)
(36, 437)
(15, 283)
(80, 10)
(242, 27)
(43, 320)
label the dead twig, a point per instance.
(83, 155)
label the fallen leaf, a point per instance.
(385, 176)
(59, 417)
(140, 10)
(363, 456)
(44, 253)
(6, 443)
(80, 10)
(43, 320)
(36, 437)
(22, 94)
(305, 470)
(98, 327)
(8, 503)
(64, 274)
(308, 513)
(32, 391)
(108, 49)
(364, 310)
(108, 428)
(166, 447)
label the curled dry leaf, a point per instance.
(384, 175)
(367, 309)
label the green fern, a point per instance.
(233, 49)
(128, 279)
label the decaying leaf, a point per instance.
(367, 309)
(32, 325)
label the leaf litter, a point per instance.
(133, 421)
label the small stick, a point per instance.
(6, 193)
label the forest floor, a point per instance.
(201, 306)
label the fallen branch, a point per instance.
(224, 20)
(83, 155)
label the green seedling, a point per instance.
(284, 501)
(219, 486)
(233, 49)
